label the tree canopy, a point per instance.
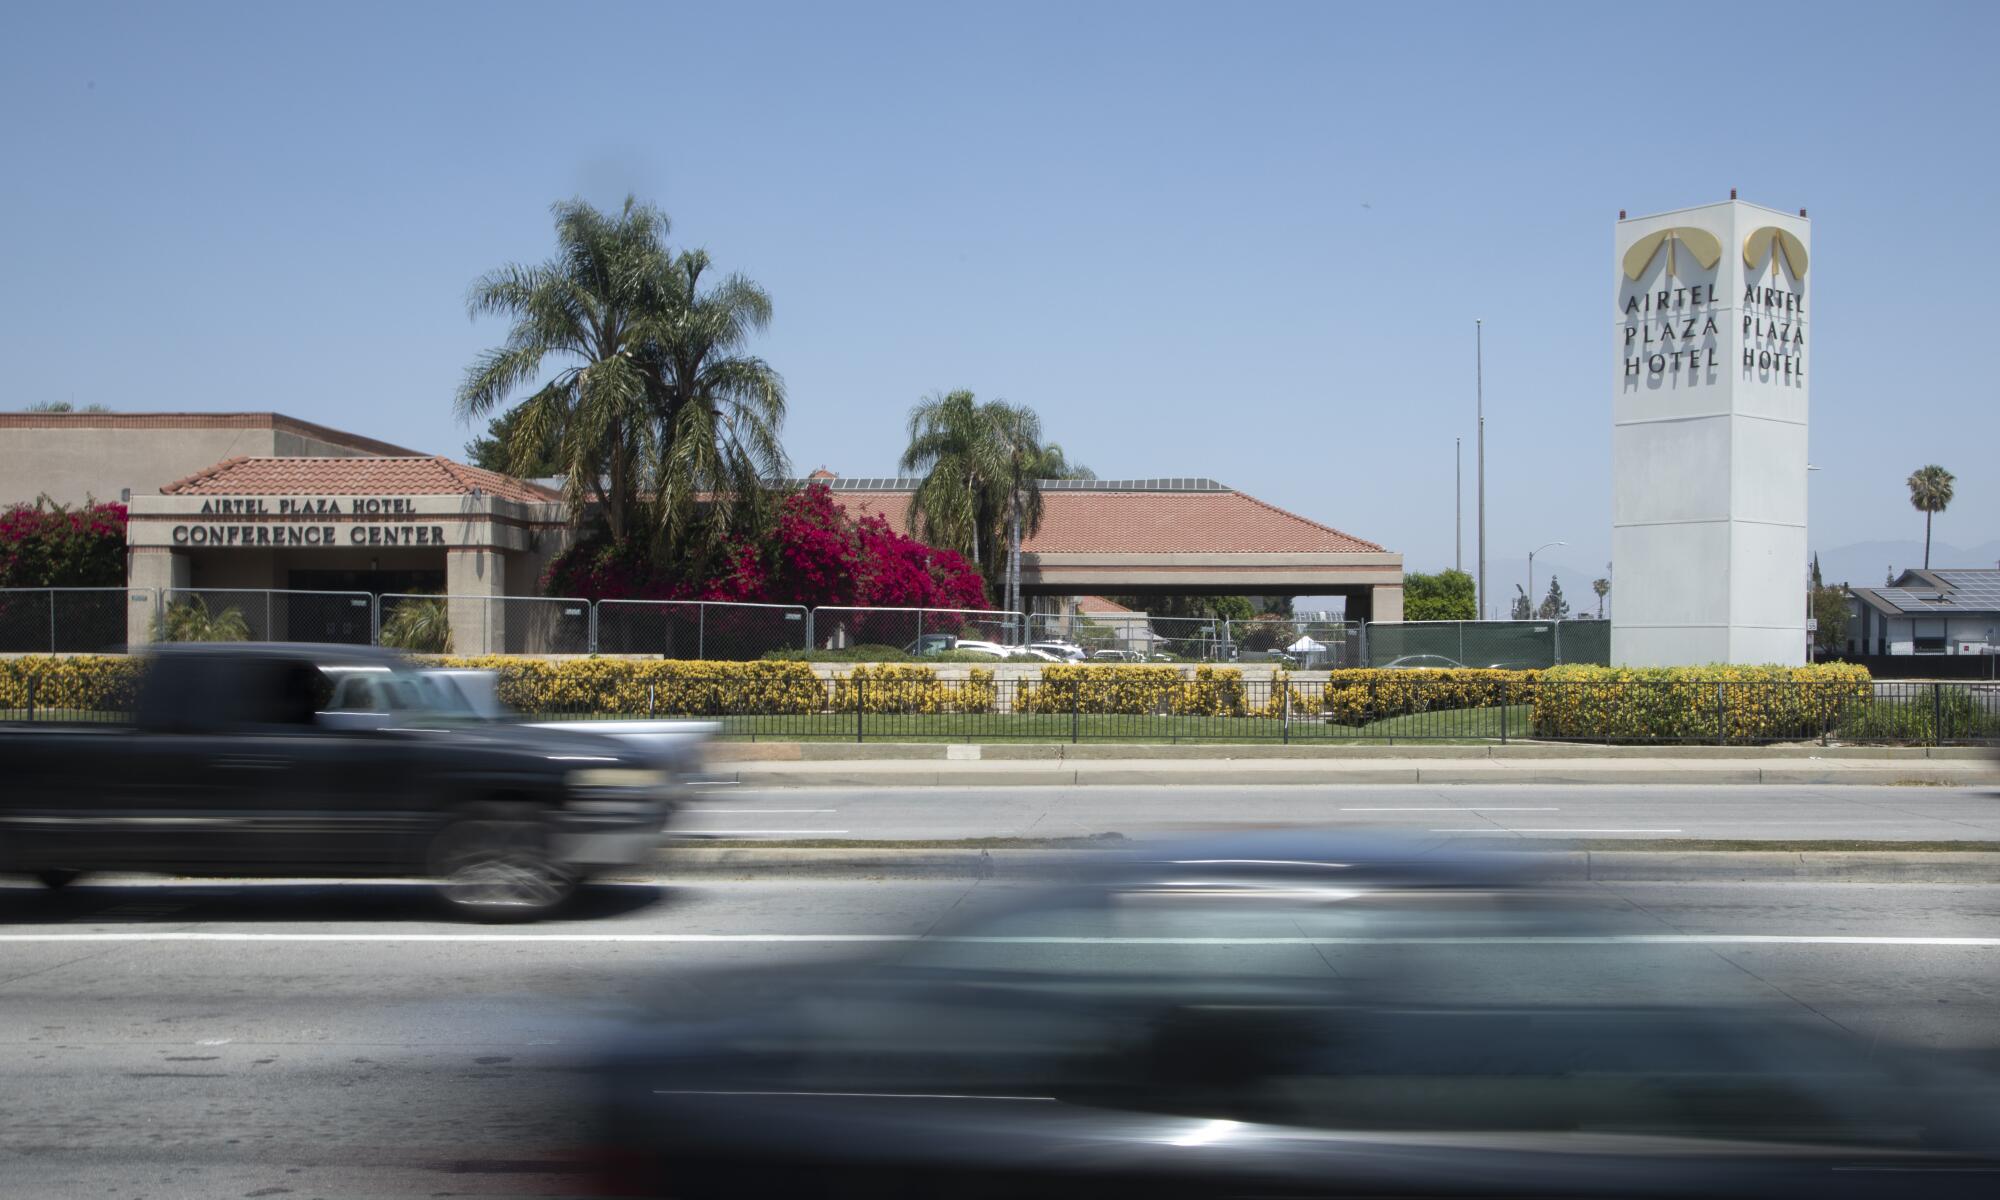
(1445, 596)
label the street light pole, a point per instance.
(1479, 398)
(1531, 574)
(1458, 504)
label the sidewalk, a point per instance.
(870, 765)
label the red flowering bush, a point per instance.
(814, 555)
(50, 545)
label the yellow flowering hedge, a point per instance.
(1356, 696)
(79, 682)
(668, 688)
(1701, 704)
(1134, 691)
(909, 688)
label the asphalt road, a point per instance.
(336, 1040)
(1487, 813)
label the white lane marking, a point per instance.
(1624, 939)
(856, 1095)
(730, 812)
(1481, 808)
(1545, 831)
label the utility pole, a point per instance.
(1458, 504)
(1479, 394)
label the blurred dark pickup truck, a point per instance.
(235, 763)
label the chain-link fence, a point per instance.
(487, 624)
(914, 630)
(70, 620)
(264, 615)
(700, 629)
(1503, 645)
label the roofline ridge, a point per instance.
(208, 472)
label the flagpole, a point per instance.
(1479, 394)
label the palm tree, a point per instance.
(1029, 463)
(595, 307)
(1603, 588)
(1930, 492)
(965, 458)
(983, 467)
(718, 410)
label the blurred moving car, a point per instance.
(1275, 1015)
(1065, 651)
(675, 746)
(1423, 662)
(232, 764)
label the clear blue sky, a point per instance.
(1245, 242)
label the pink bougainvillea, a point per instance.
(814, 555)
(51, 545)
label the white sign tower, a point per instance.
(1708, 514)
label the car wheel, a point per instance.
(497, 868)
(57, 877)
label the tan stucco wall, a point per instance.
(74, 463)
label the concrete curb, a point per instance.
(772, 752)
(1246, 773)
(1573, 866)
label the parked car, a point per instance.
(932, 643)
(1066, 651)
(1116, 656)
(232, 765)
(1423, 662)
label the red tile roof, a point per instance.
(431, 475)
(1148, 522)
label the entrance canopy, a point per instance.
(1164, 537)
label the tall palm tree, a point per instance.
(718, 410)
(1603, 588)
(1930, 492)
(596, 307)
(965, 458)
(1030, 462)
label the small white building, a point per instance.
(1945, 611)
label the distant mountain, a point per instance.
(1868, 564)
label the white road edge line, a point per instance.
(730, 812)
(1543, 831)
(1481, 808)
(1627, 939)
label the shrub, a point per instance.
(898, 688)
(94, 683)
(1357, 696)
(638, 687)
(191, 621)
(421, 624)
(1133, 691)
(1719, 703)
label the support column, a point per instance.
(472, 578)
(149, 567)
(1387, 602)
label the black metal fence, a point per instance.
(1406, 709)
(911, 704)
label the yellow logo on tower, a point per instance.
(1704, 247)
(1768, 243)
